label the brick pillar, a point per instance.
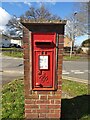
(26, 51)
(41, 104)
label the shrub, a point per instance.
(78, 51)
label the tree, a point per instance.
(40, 15)
(14, 27)
(78, 22)
(86, 43)
(35, 15)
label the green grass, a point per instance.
(74, 108)
(9, 49)
(13, 100)
(13, 54)
(72, 58)
(74, 88)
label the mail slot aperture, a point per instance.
(43, 43)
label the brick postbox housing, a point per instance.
(42, 103)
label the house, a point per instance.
(67, 44)
(67, 41)
(4, 40)
(9, 41)
(16, 41)
(86, 46)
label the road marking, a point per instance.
(75, 70)
(78, 72)
(86, 70)
(65, 73)
(12, 71)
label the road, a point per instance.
(76, 69)
(12, 68)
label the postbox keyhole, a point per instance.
(44, 52)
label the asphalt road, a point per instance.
(12, 68)
(76, 69)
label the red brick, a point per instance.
(42, 115)
(43, 111)
(52, 102)
(54, 97)
(26, 54)
(60, 56)
(34, 111)
(34, 97)
(43, 102)
(60, 67)
(29, 101)
(59, 87)
(28, 111)
(60, 52)
(26, 39)
(57, 111)
(59, 72)
(51, 111)
(26, 46)
(28, 106)
(59, 77)
(43, 97)
(43, 92)
(56, 115)
(57, 101)
(59, 82)
(31, 115)
(54, 106)
(43, 106)
(59, 92)
(60, 46)
(59, 62)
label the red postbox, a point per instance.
(43, 48)
(43, 60)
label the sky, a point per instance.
(61, 9)
(8, 9)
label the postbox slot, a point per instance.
(43, 43)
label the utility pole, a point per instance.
(73, 35)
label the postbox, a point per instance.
(43, 48)
(43, 60)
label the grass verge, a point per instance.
(13, 100)
(74, 108)
(74, 88)
(13, 54)
(68, 58)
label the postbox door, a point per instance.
(43, 76)
(43, 61)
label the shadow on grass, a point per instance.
(75, 108)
